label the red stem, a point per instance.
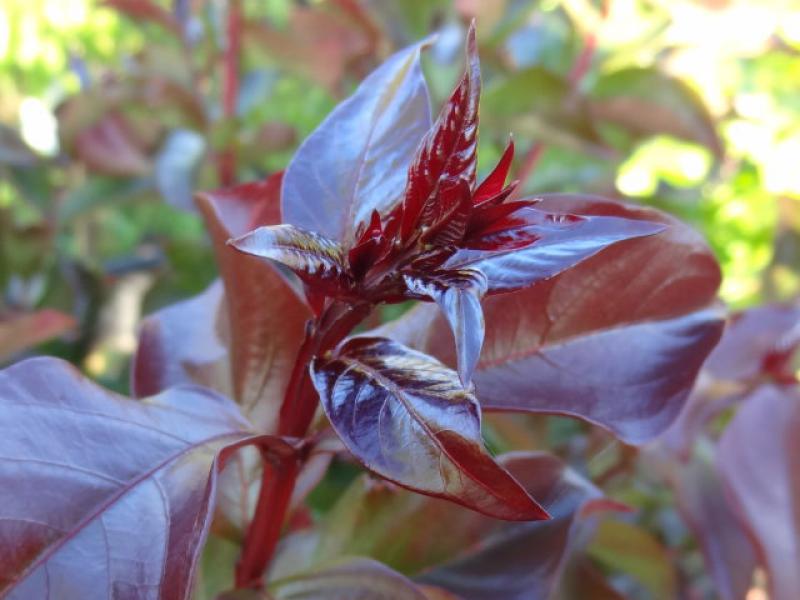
(262, 536)
(230, 91)
(297, 413)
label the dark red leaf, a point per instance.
(759, 463)
(532, 245)
(407, 418)
(265, 316)
(448, 151)
(523, 560)
(458, 294)
(349, 579)
(449, 214)
(616, 340)
(109, 147)
(19, 332)
(103, 496)
(495, 181)
(317, 260)
(355, 161)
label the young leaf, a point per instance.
(458, 294)
(348, 579)
(407, 418)
(447, 154)
(759, 462)
(103, 496)
(355, 161)
(532, 245)
(523, 560)
(616, 340)
(265, 315)
(317, 260)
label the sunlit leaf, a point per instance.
(408, 418)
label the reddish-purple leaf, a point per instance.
(266, 317)
(458, 294)
(349, 579)
(616, 340)
(759, 463)
(408, 418)
(355, 161)
(447, 154)
(102, 496)
(522, 560)
(532, 245)
(19, 332)
(758, 341)
(728, 552)
(182, 344)
(109, 147)
(495, 181)
(317, 260)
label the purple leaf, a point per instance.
(616, 340)
(533, 245)
(355, 578)
(265, 315)
(759, 463)
(317, 260)
(355, 161)
(523, 560)
(458, 294)
(103, 496)
(407, 418)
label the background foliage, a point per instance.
(112, 114)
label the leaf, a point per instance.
(317, 260)
(407, 418)
(352, 579)
(447, 153)
(356, 159)
(458, 294)
(266, 317)
(19, 332)
(523, 560)
(635, 552)
(103, 496)
(145, 10)
(184, 343)
(700, 497)
(759, 462)
(109, 147)
(648, 101)
(616, 340)
(176, 166)
(533, 245)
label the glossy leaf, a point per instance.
(19, 332)
(647, 101)
(103, 496)
(617, 340)
(357, 578)
(523, 560)
(759, 462)
(266, 318)
(317, 260)
(355, 161)
(533, 245)
(407, 418)
(458, 294)
(447, 154)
